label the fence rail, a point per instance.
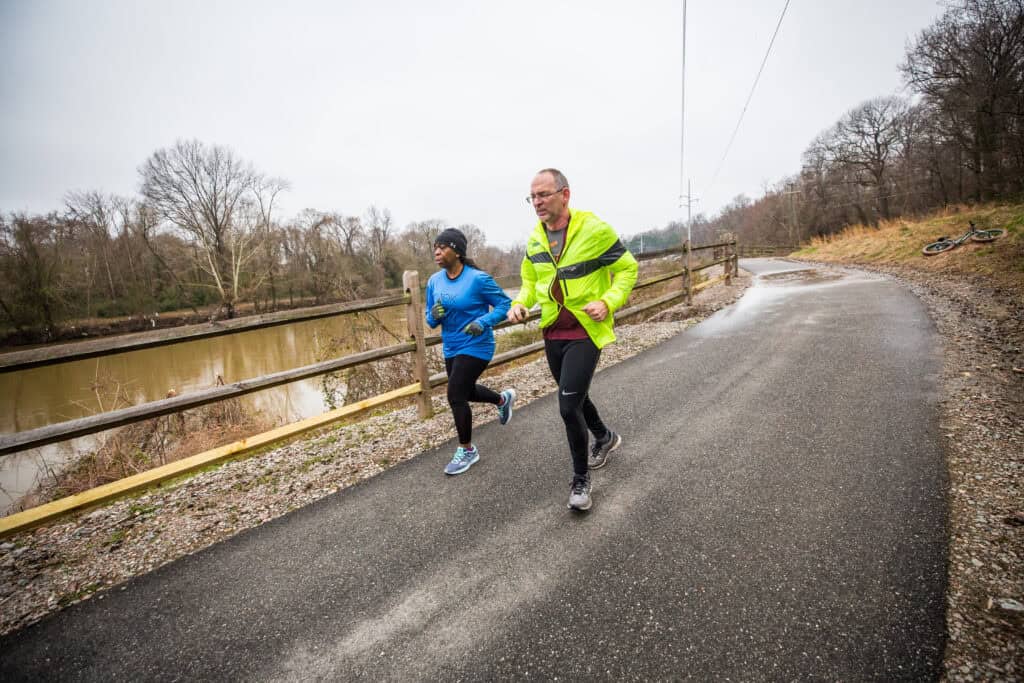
(11, 443)
(64, 353)
(753, 251)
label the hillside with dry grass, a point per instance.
(899, 243)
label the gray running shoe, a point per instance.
(579, 493)
(601, 450)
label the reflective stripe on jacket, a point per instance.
(594, 265)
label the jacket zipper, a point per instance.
(558, 275)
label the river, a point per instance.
(46, 395)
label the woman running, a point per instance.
(466, 302)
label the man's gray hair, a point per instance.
(561, 182)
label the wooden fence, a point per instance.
(725, 254)
(754, 251)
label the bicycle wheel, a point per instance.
(938, 247)
(987, 235)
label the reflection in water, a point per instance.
(42, 396)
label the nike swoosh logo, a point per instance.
(569, 393)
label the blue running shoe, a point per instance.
(462, 460)
(505, 409)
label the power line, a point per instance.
(747, 103)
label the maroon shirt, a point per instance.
(566, 326)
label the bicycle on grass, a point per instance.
(945, 244)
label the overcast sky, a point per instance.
(440, 109)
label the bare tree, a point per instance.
(419, 237)
(378, 228)
(34, 269)
(867, 141)
(348, 230)
(265, 190)
(145, 225)
(216, 200)
(970, 65)
(320, 252)
(97, 215)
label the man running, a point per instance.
(578, 270)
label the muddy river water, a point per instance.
(47, 395)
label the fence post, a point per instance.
(689, 275)
(735, 258)
(414, 317)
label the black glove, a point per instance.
(437, 311)
(474, 329)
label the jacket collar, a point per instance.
(575, 218)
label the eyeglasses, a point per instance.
(543, 195)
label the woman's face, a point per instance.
(444, 256)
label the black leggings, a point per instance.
(463, 371)
(572, 363)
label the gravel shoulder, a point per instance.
(982, 405)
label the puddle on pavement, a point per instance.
(767, 293)
(810, 276)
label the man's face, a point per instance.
(549, 202)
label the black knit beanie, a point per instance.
(452, 237)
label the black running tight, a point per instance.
(463, 372)
(572, 363)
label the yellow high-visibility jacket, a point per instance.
(594, 265)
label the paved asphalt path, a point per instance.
(776, 512)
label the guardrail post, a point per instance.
(688, 278)
(414, 316)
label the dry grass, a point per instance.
(145, 445)
(899, 242)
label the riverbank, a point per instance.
(81, 329)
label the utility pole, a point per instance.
(688, 197)
(792, 213)
(689, 200)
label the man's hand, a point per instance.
(597, 310)
(437, 311)
(517, 313)
(474, 329)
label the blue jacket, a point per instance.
(473, 295)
